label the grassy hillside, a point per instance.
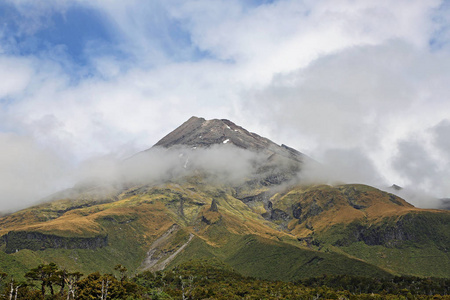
(300, 232)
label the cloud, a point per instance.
(413, 162)
(222, 163)
(16, 74)
(423, 162)
(218, 164)
(334, 79)
(285, 35)
(28, 172)
(417, 197)
(441, 138)
(365, 99)
(342, 166)
(340, 97)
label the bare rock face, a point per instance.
(18, 240)
(214, 206)
(276, 164)
(201, 133)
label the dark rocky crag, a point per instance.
(412, 229)
(18, 240)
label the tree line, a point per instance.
(202, 279)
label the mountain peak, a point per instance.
(201, 133)
(198, 132)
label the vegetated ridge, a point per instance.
(268, 224)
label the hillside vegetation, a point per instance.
(209, 279)
(220, 192)
(349, 229)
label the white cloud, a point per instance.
(370, 99)
(335, 79)
(441, 138)
(28, 172)
(15, 75)
(343, 166)
(285, 35)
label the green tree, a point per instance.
(97, 286)
(123, 272)
(46, 275)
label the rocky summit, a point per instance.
(277, 164)
(201, 133)
(266, 223)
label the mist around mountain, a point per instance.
(218, 149)
(445, 203)
(212, 190)
(230, 152)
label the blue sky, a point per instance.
(361, 86)
(72, 29)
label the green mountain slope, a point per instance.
(153, 227)
(263, 223)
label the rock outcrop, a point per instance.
(18, 240)
(201, 133)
